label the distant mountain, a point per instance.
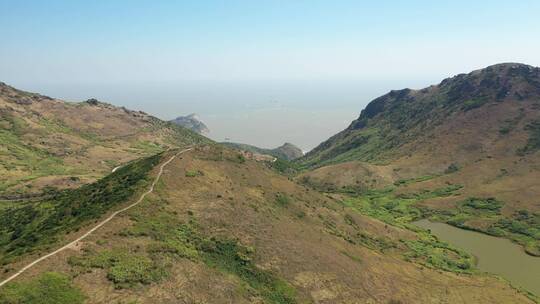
(287, 151)
(49, 142)
(501, 100)
(476, 135)
(192, 122)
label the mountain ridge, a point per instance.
(408, 109)
(49, 142)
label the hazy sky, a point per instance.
(260, 72)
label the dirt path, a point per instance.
(105, 221)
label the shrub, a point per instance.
(239, 158)
(282, 199)
(124, 268)
(452, 168)
(131, 269)
(193, 173)
(488, 204)
(472, 104)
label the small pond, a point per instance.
(494, 255)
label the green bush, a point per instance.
(238, 158)
(133, 269)
(452, 168)
(472, 104)
(124, 269)
(192, 173)
(433, 253)
(488, 204)
(282, 199)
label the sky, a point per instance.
(258, 72)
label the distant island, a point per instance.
(192, 122)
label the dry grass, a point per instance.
(304, 243)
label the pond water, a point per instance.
(494, 255)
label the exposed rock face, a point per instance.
(192, 122)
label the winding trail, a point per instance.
(105, 221)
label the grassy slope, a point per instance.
(391, 122)
(479, 130)
(257, 237)
(34, 226)
(48, 142)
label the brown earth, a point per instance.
(304, 243)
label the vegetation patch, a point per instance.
(230, 257)
(124, 268)
(473, 104)
(282, 199)
(400, 211)
(487, 204)
(523, 227)
(25, 229)
(452, 168)
(533, 142)
(171, 237)
(403, 182)
(49, 287)
(284, 166)
(509, 124)
(431, 252)
(239, 158)
(193, 173)
(17, 155)
(148, 147)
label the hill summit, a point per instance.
(408, 117)
(192, 122)
(477, 132)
